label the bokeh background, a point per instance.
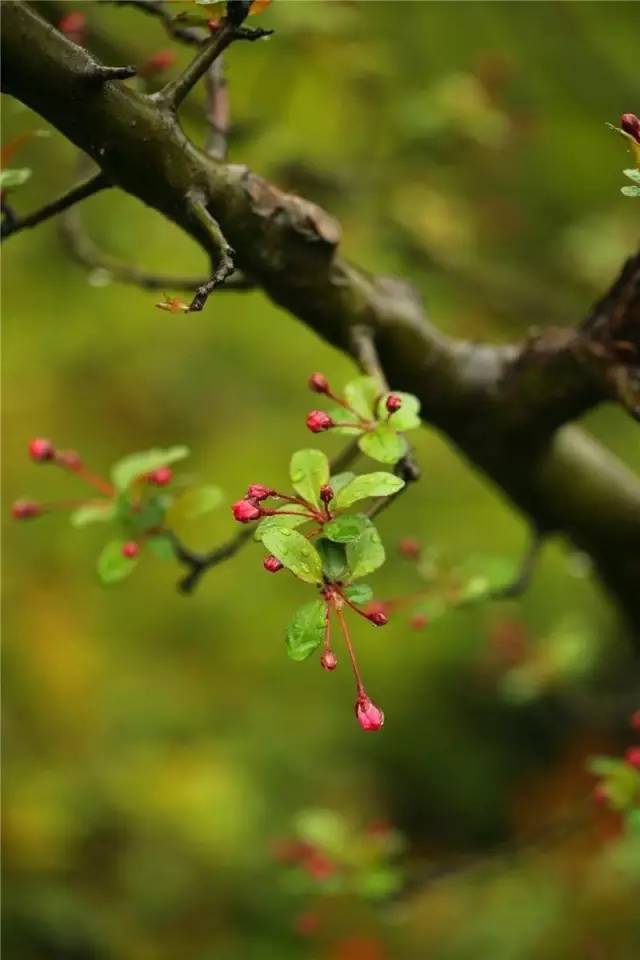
(156, 745)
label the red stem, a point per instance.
(349, 646)
(352, 605)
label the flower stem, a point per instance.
(349, 646)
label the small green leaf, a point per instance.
(368, 485)
(407, 417)
(339, 416)
(13, 178)
(161, 547)
(285, 522)
(149, 516)
(295, 553)
(366, 553)
(340, 480)
(309, 470)
(112, 565)
(334, 559)
(194, 503)
(345, 529)
(136, 464)
(361, 394)
(383, 444)
(358, 592)
(630, 191)
(305, 633)
(632, 175)
(93, 513)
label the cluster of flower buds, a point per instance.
(318, 420)
(250, 507)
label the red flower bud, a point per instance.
(368, 715)
(130, 549)
(258, 492)
(271, 563)
(318, 420)
(25, 509)
(634, 721)
(160, 477)
(631, 125)
(158, 62)
(375, 606)
(69, 459)
(409, 548)
(632, 756)
(418, 621)
(41, 450)
(378, 617)
(245, 511)
(318, 383)
(326, 493)
(73, 26)
(328, 660)
(394, 402)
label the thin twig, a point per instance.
(521, 581)
(81, 192)
(155, 8)
(225, 266)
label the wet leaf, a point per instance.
(295, 553)
(368, 485)
(309, 470)
(305, 633)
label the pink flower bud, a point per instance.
(375, 606)
(326, 493)
(25, 509)
(632, 756)
(368, 715)
(271, 563)
(328, 660)
(409, 548)
(631, 125)
(160, 477)
(318, 383)
(245, 511)
(394, 402)
(130, 549)
(41, 450)
(259, 492)
(378, 617)
(318, 420)
(634, 721)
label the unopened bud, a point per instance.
(41, 449)
(378, 617)
(259, 492)
(25, 509)
(368, 715)
(318, 420)
(632, 756)
(130, 549)
(394, 402)
(631, 125)
(328, 660)
(272, 564)
(326, 493)
(318, 383)
(245, 511)
(160, 477)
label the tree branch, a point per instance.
(487, 399)
(155, 8)
(81, 192)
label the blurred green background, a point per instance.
(155, 745)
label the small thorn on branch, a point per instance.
(101, 74)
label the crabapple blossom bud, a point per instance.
(41, 449)
(160, 477)
(375, 606)
(318, 420)
(272, 564)
(328, 660)
(326, 493)
(368, 715)
(631, 125)
(130, 549)
(632, 756)
(259, 492)
(25, 509)
(378, 617)
(245, 511)
(394, 402)
(318, 383)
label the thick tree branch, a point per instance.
(81, 192)
(500, 405)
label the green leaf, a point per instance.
(278, 522)
(345, 529)
(194, 503)
(358, 592)
(305, 633)
(150, 515)
(366, 553)
(361, 394)
(633, 175)
(383, 444)
(136, 464)
(309, 470)
(334, 559)
(112, 565)
(368, 485)
(161, 547)
(340, 480)
(13, 178)
(340, 415)
(630, 191)
(295, 553)
(93, 513)
(407, 417)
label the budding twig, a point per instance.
(80, 192)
